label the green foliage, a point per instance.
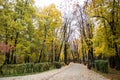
(19, 68)
(37, 67)
(29, 67)
(101, 65)
(16, 69)
(58, 64)
(9, 69)
(101, 43)
(22, 25)
(106, 26)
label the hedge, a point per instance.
(15, 69)
(39, 67)
(101, 65)
(58, 64)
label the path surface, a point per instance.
(71, 72)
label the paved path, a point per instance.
(70, 72)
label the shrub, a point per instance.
(46, 66)
(97, 65)
(37, 67)
(0, 65)
(29, 67)
(58, 64)
(13, 69)
(20, 68)
(101, 65)
(8, 69)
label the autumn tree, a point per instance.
(49, 18)
(105, 14)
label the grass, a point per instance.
(112, 74)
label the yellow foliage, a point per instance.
(62, 56)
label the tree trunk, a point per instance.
(13, 55)
(60, 50)
(113, 29)
(65, 53)
(92, 57)
(112, 61)
(73, 56)
(7, 53)
(7, 58)
(43, 45)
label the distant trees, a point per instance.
(98, 23)
(86, 34)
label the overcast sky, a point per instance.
(42, 3)
(69, 4)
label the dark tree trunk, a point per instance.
(117, 63)
(84, 59)
(58, 57)
(14, 59)
(43, 45)
(28, 59)
(41, 53)
(89, 60)
(51, 55)
(65, 53)
(13, 55)
(7, 58)
(83, 51)
(55, 49)
(113, 29)
(7, 53)
(112, 61)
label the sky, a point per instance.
(42, 3)
(69, 4)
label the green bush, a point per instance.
(58, 64)
(62, 63)
(0, 65)
(20, 68)
(46, 66)
(15, 69)
(101, 65)
(37, 67)
(8, 69)
(97, 65)
(29, 67)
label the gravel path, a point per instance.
(71, 72)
